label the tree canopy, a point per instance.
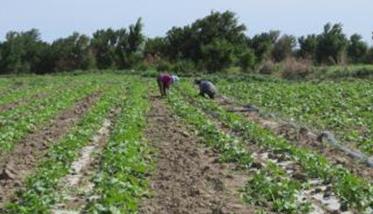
(213, 43)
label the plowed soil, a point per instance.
(188, 178)
(26, 155)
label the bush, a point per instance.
(294, 69)
(268, 68)
(150, 73)
(164, 66)
(144, 66)
(247, 60)
(184, 67)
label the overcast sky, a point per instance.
(59, 18)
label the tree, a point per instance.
(196, 41)
(331, 45)
(217, 55)
(155, 47)
(369, 56)
(21, 52)
(129, 45)
(283, 48)
(247, 60)
(73, 53)
(263, 43)
(103, 45)
(307, 46)
(357, 49)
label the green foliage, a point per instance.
(230, 148)
(72, 53)
(21, 52)
(271, 185)
(263, 44)
(357, 49)
(332, 44)
(217, 55)
(213, 42)
(40, 193)
(283, 48)
(247, 60)
(103, 45)
(342, 107)
(121, 181)
(354, 191)
(118, 48)
(308, 46)
(16, 123)
(155, 46)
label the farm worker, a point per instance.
(165, 81)
(206, 87)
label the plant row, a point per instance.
(344, 107)
(31, 87)
(122, 177)
(40, 192)
(16, 123)
(280, 193)
(354, 191)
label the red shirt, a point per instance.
(166, 80)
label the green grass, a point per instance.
(342, 72)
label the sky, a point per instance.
(60, 18)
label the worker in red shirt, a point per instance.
(165, 81)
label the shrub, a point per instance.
(184, 67)
(294, 69)
(247, 60)
(268, 67)
(163, 66)
(150, 73)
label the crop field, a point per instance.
(108, 143)
(344, 107)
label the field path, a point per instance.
(19, 163)
(188, 177)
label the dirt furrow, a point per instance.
(301, 137)
(76, 187)
(188, 177)
(21, 161)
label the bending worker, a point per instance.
(206, 88)
(165, 81)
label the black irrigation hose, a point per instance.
(329, 138)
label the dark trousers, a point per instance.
(162, 87)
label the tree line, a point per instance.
(213, 43)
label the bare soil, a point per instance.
(20, 162)
(188, 177)
(301, 137)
